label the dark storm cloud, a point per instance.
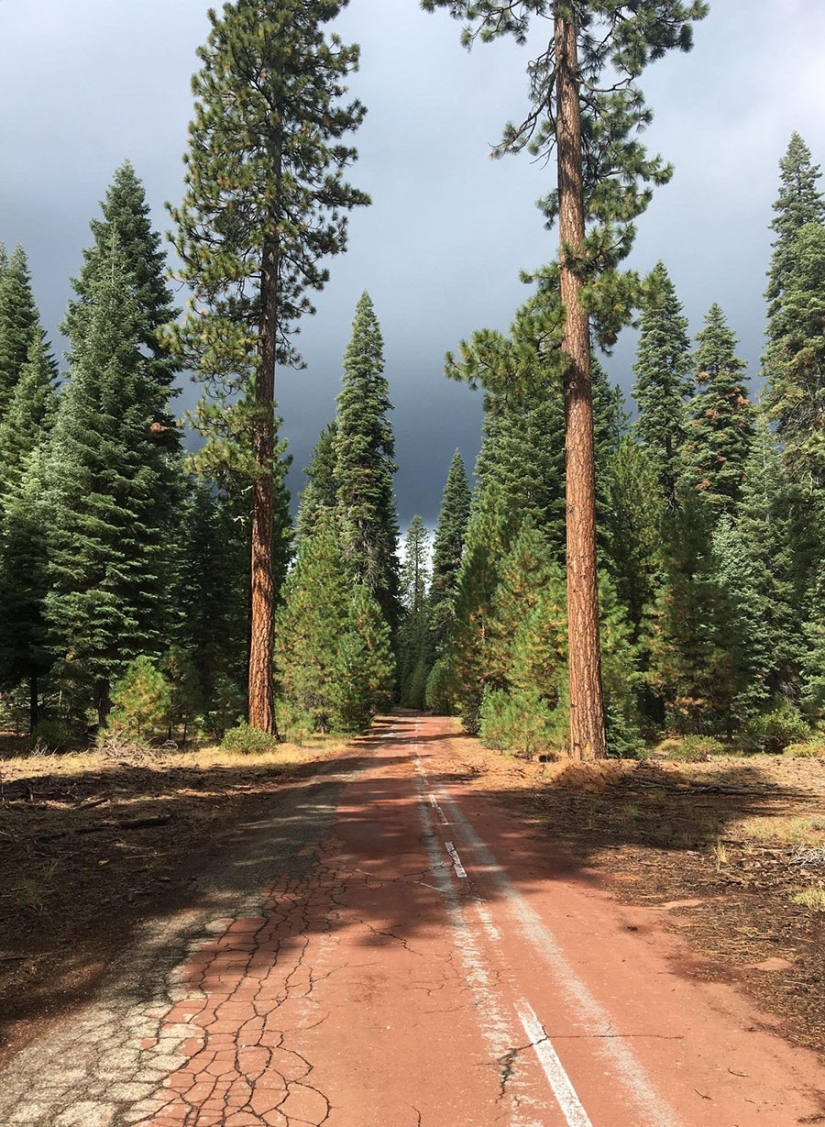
(84, 86)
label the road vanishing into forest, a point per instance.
(392, 949)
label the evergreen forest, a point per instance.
(153, 584)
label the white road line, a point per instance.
(456, 860)
(590, 1014)
(438, 809)
(496, 1026)
(559, 1081)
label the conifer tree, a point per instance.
(320, 495)
(663, 368)
(111, 495)
(414, 632)
(448, 545)
(794, 360)
(586, 105)
(265, 203)
(334, 659)
(722, 416)
(19, 323)
(364, 465)
(125, 221)
(28, 417)
(799, 202)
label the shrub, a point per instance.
(53, 735)
(696, 749)
(773, 731)
(140, 699)
(248, 741)
(521, 722)
(809, 749)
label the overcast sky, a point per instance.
(86, 84)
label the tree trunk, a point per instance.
(262, 602)
(587, 731)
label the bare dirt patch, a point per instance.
(732, 852)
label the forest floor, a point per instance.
(732, 851)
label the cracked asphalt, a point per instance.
(387, 950)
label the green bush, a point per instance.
(521, 722)
(773, 731)
(54, 735)
(696, 749)
(140, 699)
(809, 749)
(248, 741)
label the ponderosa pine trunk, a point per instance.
(587, 729)
(261, 701)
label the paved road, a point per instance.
(391, 949)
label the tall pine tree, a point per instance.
(19, 323)
(364, 464)
(663, 380)
(265, 203)
(112, 493)
(448, 545)
(601, 187)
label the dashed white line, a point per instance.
(558, 1079)
(456, 860)
(438, 809)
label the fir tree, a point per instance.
(19, 323)
(265, 203)
(320, 495)
(448, 545)
(364, 465)
(799, 202)
(111, 495)
(696, 653)
(28, 417)
(602, 177)
(125, 220)
(794, 360)
(662, 370)
(414, 633)
(722, 416)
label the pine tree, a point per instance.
(111, 495)
(722, 416)
(662, 369)
(696, 654)
(126, 221)
(19, 323)
(364, 465)
(602, 177)
(24, 583)
(794, 360)
(448, 545)
(320, 495)
(414, 650)
(265, 203)
(334, 659)
(28, 418)
(799, 202)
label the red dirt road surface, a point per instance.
(412, 956)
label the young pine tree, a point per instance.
(265, 203)
(19, 323)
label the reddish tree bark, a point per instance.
(261, 702)
(587, 730)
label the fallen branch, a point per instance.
(130, 824)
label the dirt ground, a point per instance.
(92, 845)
